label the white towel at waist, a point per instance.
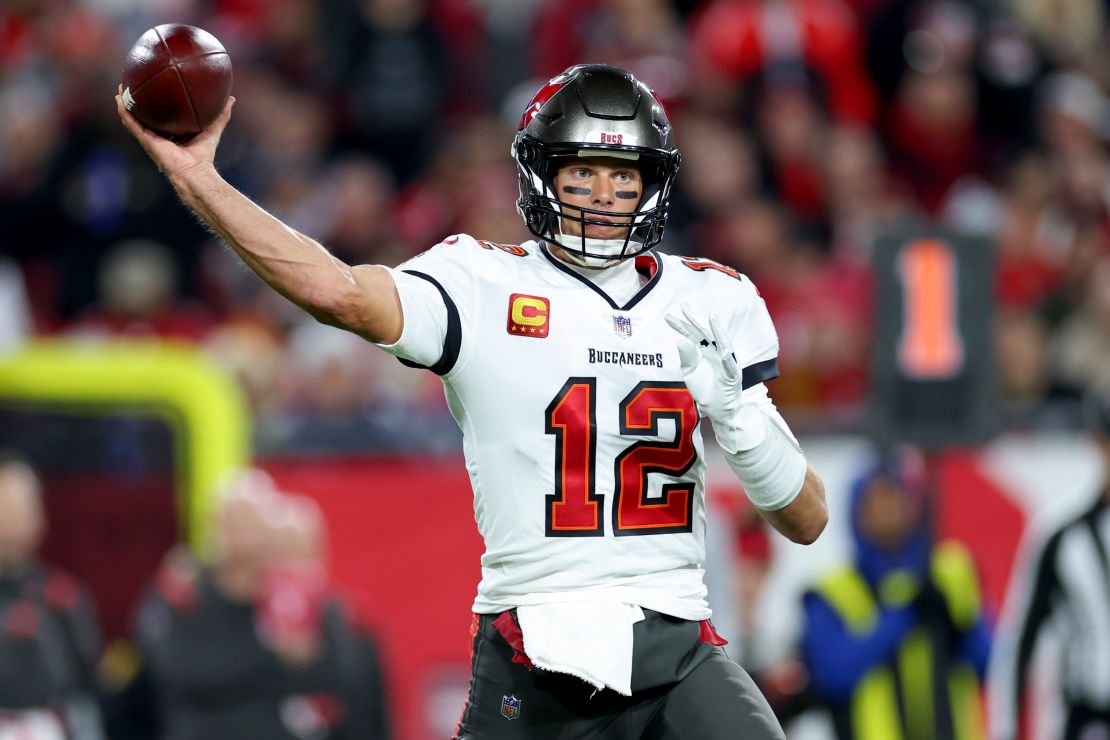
(588, 639)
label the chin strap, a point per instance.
(572, 248)
(602, 252)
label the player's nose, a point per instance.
(604, 192)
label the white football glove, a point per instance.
(715, 379)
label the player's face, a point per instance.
(606, 184)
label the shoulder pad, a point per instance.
(465, 239)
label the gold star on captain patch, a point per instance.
(533, 330)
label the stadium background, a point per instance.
(809, 128)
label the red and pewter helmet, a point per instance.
(598, 110)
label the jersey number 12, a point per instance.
(575, 509)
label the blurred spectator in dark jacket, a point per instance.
(49, 639)
(252, 645)
(719, 170)
(391, 68)
(896, 644)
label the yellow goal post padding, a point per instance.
(173, 381)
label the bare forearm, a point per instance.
(294, 265)
(361, 299)
(804, 518)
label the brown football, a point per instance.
(176, 79)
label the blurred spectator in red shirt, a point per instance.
(932, 123)
(792, 131)
(741, 38)
(1029, 255)
(1018, 219)
(931, 127)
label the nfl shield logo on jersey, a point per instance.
(510, 707)
(622, 325)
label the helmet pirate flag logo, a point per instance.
(540, 98)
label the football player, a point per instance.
(578, 366)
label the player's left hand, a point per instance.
(712, 374)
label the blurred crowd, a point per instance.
(808, 128)
(247, 636)
(247, 639)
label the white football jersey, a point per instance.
(581, 439)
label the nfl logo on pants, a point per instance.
(510, 707)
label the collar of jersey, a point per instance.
(651, 283)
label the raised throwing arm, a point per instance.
(362, 299)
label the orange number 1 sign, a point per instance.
(930, 347)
